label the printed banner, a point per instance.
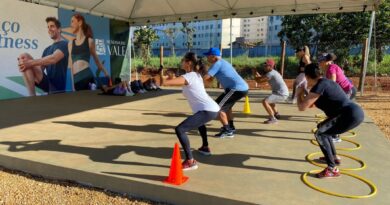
(25, 32)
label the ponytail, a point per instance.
(87, 30)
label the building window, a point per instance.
(207, 27)
(211, 26)
(211, 34)
(219, 25)
(218, 34)
(270, 28)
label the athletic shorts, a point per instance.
(274, 98)
(227, 99)
(44, 84)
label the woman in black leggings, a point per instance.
(342, 115)
(203, 106)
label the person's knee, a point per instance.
(179, 130)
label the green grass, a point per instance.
(244, 64)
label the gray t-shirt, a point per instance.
(277, 83)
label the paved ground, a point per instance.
(125, 144)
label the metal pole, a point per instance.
(231, 45)
(367, 52)
(131, 42)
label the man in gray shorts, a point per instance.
(279, 90)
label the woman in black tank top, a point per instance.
(81, 49)
(303, 53)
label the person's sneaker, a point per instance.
(129, 93)
(277, 116)
(233, 129)
(337, 139)
(189, 165)
(225, 133)
(337, 160)
(329, 173)
(205, 150)
(271, 120)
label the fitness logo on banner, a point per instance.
(22, 29)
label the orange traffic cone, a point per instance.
(176, 173)
(247, 108)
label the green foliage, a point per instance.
(143, 39)
(188, 31)
(244, 65)
(337, 33)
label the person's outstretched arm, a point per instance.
(47, 60)
(179, 81)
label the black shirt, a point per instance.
(332, 98)
(57, 72)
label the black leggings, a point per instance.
(350, 117)
(198, 120)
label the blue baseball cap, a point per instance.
(213, 52)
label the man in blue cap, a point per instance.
(235, 88)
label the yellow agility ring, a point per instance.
(310, 159)
(370, 184)
(358, 146)
(321, 120)
(320, 115)
(353, 133)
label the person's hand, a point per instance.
(24, 64)
(105, 73)
(257, 75)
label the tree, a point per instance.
(188, 31)
(143, 39)
(171, 34)
(382, 28)
(326, 32)
(337, 33)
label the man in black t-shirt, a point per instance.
(342, 115)
(49, 72)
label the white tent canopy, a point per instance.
(142, 12)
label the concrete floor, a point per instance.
(125, 143)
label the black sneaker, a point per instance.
(224, 133)
(233, 129)
(277, 116)
(205, 150)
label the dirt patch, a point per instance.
(377, 106)
(21, 188)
